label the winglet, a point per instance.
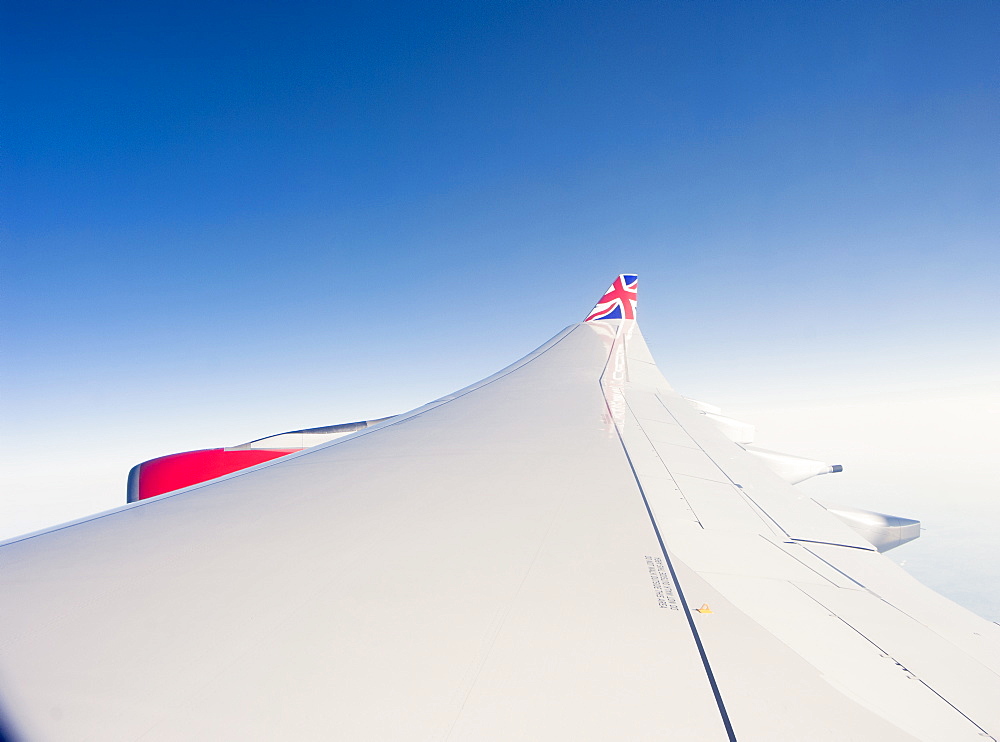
(619, 301)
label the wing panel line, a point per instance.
(923, 682)
(680, 594)
(666, 556)
(743, 492)
(667, 469)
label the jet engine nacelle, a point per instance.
(178, 470)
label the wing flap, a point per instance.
(965, 683)
(773, 690)
(836, 652)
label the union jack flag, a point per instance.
(619, 302)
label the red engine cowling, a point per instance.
(178, 470)
(169, 473)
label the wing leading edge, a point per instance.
(459, 573)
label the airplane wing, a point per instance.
(567, 550)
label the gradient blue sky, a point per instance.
(223, 221)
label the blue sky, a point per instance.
(223, 222)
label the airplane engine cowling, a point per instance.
(178, 470)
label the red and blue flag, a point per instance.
(619, 301)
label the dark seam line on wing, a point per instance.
(747, 495)
(680, 594)
(790, 555)
(896, 608)
(832, 566)
(742, 492)
(695, 447)
(830, 543)
(936, 633)
(700, 447)
(849, 625)
(663, 549)
(703, 479)
(666, 468)
(985, 734)
(517, 365)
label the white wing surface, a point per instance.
(567, 550)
